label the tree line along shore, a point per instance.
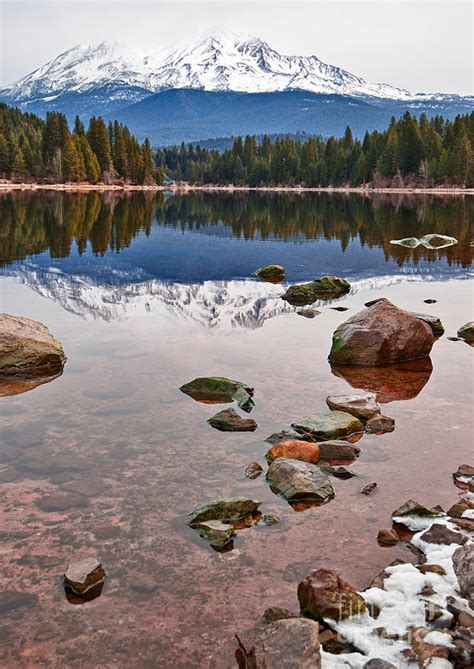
(412, 153)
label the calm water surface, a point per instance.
(148, 292)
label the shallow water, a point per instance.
(148, 292)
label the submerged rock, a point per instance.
(324, 594)
(328, 425)
(434, 241)
(28, 348)
(219, 390)
(230, 509)
(379, 424)
(10, 600)
(380, 335)
(407, 242)
(308, 313)
(271, 273)
(324, 288)
(466, 332)
(360, 405)
(229, 420)
(58, 501)
(291, 643)
(294, 449)
(433, 321)
(413, 508)
(84, 575)
(337, 449)
(253, 470)
(296, 480)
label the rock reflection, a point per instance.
(77, 600)
(16, 385)
(390, 384)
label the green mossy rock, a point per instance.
(324, 288)
(229, 509)
(412, 508)
(434, 322)
(271, 273)
(219, 390)
(467, 331)
(328, 425)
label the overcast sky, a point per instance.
(422, 46)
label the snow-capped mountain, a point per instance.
(216, 63)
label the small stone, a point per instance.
(270, 519)
(324, 288)
(458, 508)
(380, 424)
(342, 472)
(377, 663)
(308, 313)
(294, 449)
(253, 470)
(368, 489)
(454, 338)
(340, 308)
(371, 303)
(229, 509)
(430, 301)
(413, 508)
(276, 613)
(84, 574)
(144, 583)
(466, 332)
(388, 537)
(464, 470)
(229, 420)
(271, 273)
(431, 569)
(216, 390)
(465, 619)
(427, 591)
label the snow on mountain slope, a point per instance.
(223, 62)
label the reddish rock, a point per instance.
(294, 449)
(324, 594)
(388, 537)
(440, 534)
(84, 575)
(290, 643)
(381, 335)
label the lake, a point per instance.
(147, 291)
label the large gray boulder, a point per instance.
(28, 348)
(380, 335)
(463, 563)
(297, 480)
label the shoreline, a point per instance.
(211, 188)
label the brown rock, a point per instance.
(464, 523)
(84, 575)
(381, 335)
(464, 470)
(229, 420)
(380, 424)
(274, 613)
(284, 644)
(388, 537)
(458, 508)
(324, 594)
(336, 450)
(253, 470)
(296, 450)
(368, 489)
(431, 569)
(28, 347)
(426, 651)
(440, 534)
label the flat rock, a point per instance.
(467, 331)
(434, 322)
(84, 574)
(283, 644)
(440, 534)
(216, 532)
(28, 347)
(144, 583)
(89, 487)
(324, 594)
(270, 519)
(284, 435)
(379, 424)
(381, 335)
(60, 502)
(368, 489)
(328, 425)
(337, 449)
(361, 405)
(378, 663)
(413, 508)
(271, 273)
(229, 509)
(219, 390)
(308, 313)
(339, 308)
(342, 472)
(229, 420)
(324, 288)
(40, 461)
(253, 470)
(430, 301)
(296, 480)
(431, 569)
(294, 449)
